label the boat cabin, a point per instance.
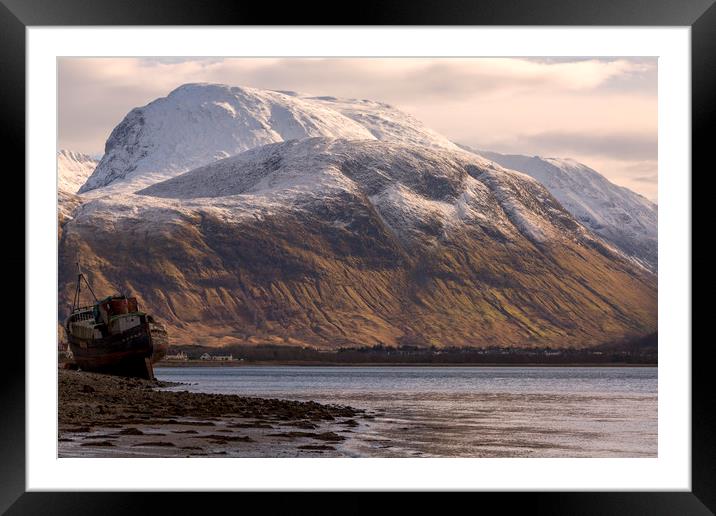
(109, 316)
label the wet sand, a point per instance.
(110, 416)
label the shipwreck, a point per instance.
(113, 336)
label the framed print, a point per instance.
(433, 250)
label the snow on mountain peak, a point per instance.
(199, 123)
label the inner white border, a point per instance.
(671, 470)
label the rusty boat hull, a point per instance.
(160, 340)
(131, 353)
(113, 336)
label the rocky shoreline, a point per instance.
(110, 416)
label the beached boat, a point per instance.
(113, 336)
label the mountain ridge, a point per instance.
(622, 217)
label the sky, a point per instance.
(600, 111)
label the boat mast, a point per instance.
(78, 289)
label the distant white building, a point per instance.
(181, 356)
(217, 358)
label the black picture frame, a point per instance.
(17, 15)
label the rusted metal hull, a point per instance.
(113, 336)
(160, 341)
(130, 353)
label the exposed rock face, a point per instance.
(329, 243)
(623, 218)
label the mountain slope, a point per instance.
(329, 243)
(623, 218)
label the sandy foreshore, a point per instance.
(109, 416)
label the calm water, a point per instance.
(465, 411)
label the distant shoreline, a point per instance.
(637, 352)
(307, 363)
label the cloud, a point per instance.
(177, 60)
(627, 159)
(627, 146)
(425, 79)
(653, 179)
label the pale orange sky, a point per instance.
(600, 111)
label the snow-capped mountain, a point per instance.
(199, 123)
(256, 216)
(73, 169)
(335, 242)
(623, 218)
